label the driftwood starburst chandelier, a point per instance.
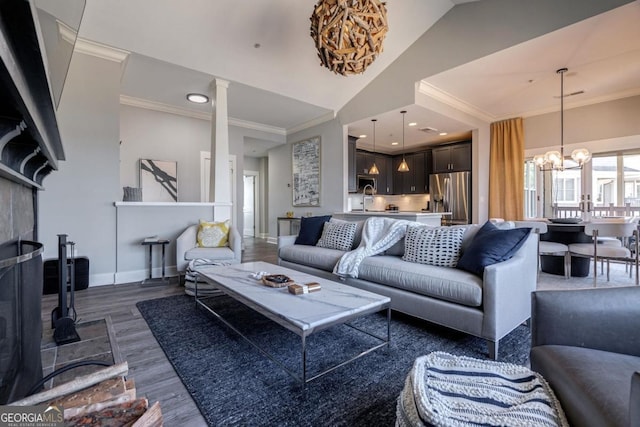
(348, 33)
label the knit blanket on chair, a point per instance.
(378, 235)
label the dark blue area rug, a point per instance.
(234, 384)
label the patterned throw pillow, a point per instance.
(213, 234)
(337, 235)
(433, 245)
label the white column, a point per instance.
(220, 187)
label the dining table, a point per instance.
(566, 233)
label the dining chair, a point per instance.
(548, 248)
(623, 231)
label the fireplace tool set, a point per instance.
(63, 317)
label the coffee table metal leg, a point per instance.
(303, 378)
(304, 359)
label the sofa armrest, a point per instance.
(506, 292)
(286, 241)
(602, 319)
(185, 241)
(235, 243)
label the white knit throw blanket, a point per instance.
(378, 235)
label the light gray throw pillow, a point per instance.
(337, 235)
(438, 246)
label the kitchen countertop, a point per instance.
(385, 213)
(428, 218)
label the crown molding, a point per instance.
(311, 123)
(257, 126)
(100, 50)
(446, 98)
(165, 108)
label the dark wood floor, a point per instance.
(153, 374)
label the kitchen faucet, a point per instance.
(364, 195)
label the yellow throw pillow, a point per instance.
(213, 234)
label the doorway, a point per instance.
(250, 207)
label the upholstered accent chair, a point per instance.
(586, 344)
(187, 248)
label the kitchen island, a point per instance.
(428, 218)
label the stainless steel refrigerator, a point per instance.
(451, 192)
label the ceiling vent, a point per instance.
(429, 129)
(579, 92)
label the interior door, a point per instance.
(248, 209)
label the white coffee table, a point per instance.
(302, 314)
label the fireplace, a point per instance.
(20, 318)
(36, 43)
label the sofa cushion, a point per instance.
(222, 253)
(311, 229)
(337, 235)
(433, 245)
(311, 256)
(212, 234)
(444, 283)
(593, 386)
(491, 245)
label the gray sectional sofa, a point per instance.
(489, 307)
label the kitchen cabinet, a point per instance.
(415, 181)
(352, 184)
(452, 158)
(384, 180)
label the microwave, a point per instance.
(364, 180)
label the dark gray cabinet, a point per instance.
(364, 161)
(452, 158)
(415, 181)
(352, 183)
(385, 178)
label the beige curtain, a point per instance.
(506, 170)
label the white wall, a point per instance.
(147, 134)
(606, 120)
(78, 198)
(333, 185)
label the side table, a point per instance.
(155, 280)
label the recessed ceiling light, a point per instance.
(394, 143)
(362, 136)
(412, 124)
(198, 98)
(442, 134)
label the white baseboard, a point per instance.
(101, 279)
(272, 240)
(140, 275)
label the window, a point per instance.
(530, 207)
(566, 190)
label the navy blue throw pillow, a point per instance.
(490, 246)
(311, 229)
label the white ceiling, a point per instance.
(281, 85)
(602, 55)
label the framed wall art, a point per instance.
(306, 172)
(159, 180)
